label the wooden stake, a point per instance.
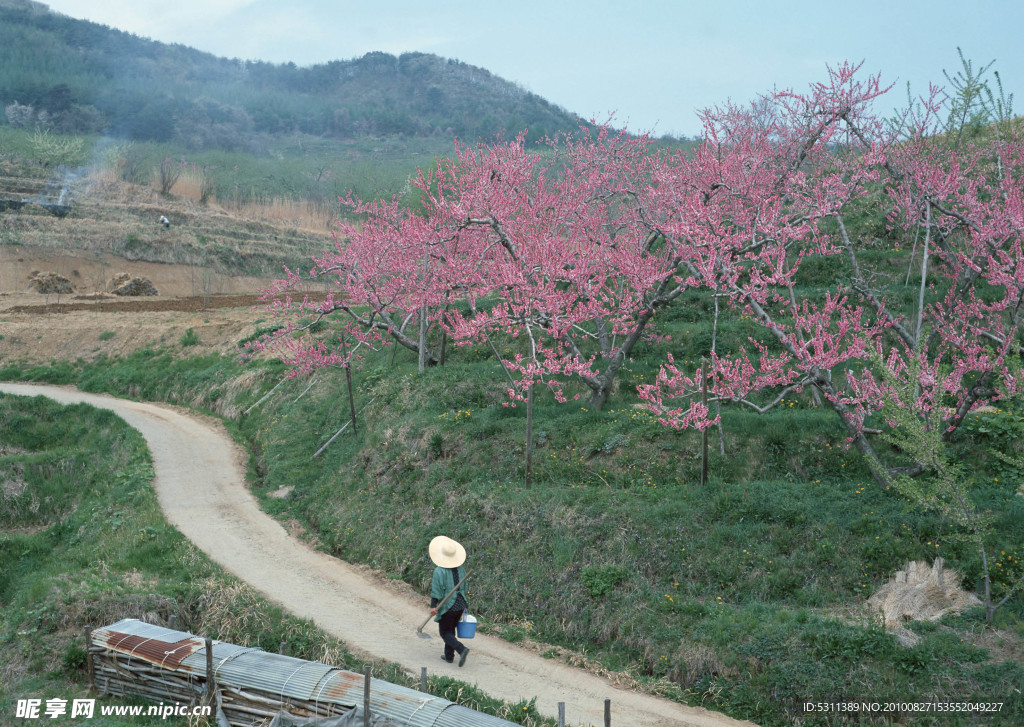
(210, 681)
(88, 658)
(366, 698)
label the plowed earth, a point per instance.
(39, 328)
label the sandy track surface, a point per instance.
(200, 483)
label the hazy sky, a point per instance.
(652, 63)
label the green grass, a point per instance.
(83, 542)
(189, 338)
(745, 596)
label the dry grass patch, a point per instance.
(921, 592)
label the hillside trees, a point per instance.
(549, 247)
(92, 79)
(576, 249)
(962, 200)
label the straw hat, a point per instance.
(446, 553)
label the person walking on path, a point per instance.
(448, 556)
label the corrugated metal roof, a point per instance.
(154, 644)
(455, 715)
(401, 704)
(250, 668)
(283, 676)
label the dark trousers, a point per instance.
(446, 626)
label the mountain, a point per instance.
(80, 77)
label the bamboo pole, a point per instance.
(366, 698)
(338, 433)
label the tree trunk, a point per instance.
(704, 431)
(423, 322)
(529, 436)
(878, 470)
(423, 340)
(924, 268)
(348, 379)
(598, 396)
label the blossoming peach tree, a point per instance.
(575, 248)
(552, 247)
(769, 190)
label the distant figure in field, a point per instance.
(165, 222)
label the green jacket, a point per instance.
(441, 583)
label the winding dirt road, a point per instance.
(200, 483)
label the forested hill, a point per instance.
(79, 77)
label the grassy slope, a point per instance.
(746, 596)
(83, 542)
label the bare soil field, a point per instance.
(89, 322)
(112, 228)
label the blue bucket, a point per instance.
(466, 627)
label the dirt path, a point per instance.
(200, 482)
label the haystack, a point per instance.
(921, 592)
(50, 283)
(126, 285)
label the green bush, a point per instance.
(189, 338)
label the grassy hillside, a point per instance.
(746, 596)
(83, 542)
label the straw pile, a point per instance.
(49, 283)
(126, 285)
(921, 592)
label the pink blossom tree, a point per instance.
(572, 251)
(772, 176)
(549, 248)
